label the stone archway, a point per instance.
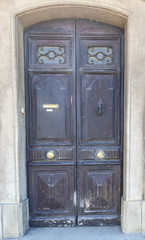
(14, 198)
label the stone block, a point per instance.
(15, 219)
(0, 222)
(25, 216)
(143, 216)
(131, 216)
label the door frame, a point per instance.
(62, 17)
(103, 12)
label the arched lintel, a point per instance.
(105, 14)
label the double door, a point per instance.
(74, 112)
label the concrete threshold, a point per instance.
(80, 233)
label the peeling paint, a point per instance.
(81, 224)
(87, 203)
(69, 221)
(82, 203)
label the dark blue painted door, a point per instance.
(74, 106)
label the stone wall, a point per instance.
(15, 15)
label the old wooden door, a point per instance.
(74, 113)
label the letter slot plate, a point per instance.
(46, 106)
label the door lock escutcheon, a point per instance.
(50, 154)
(100, 154)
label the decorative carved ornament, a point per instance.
(100, 55)
(51, 55)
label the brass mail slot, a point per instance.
(50, 106)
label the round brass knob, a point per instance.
(100, 154)
(50, 154)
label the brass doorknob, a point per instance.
(50, 154)
(100, 154)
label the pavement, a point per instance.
(80, 233)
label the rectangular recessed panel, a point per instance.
(59, 154)
(91, 154)
(52, 111)
(99, 53)
(48, 189)
(50, 52)
(51, 191)
(99, 109)
(99, 189)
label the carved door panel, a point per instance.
(73, 72)
(51, 122)
(99, 137)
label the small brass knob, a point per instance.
(50, 154)
(100, 154)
